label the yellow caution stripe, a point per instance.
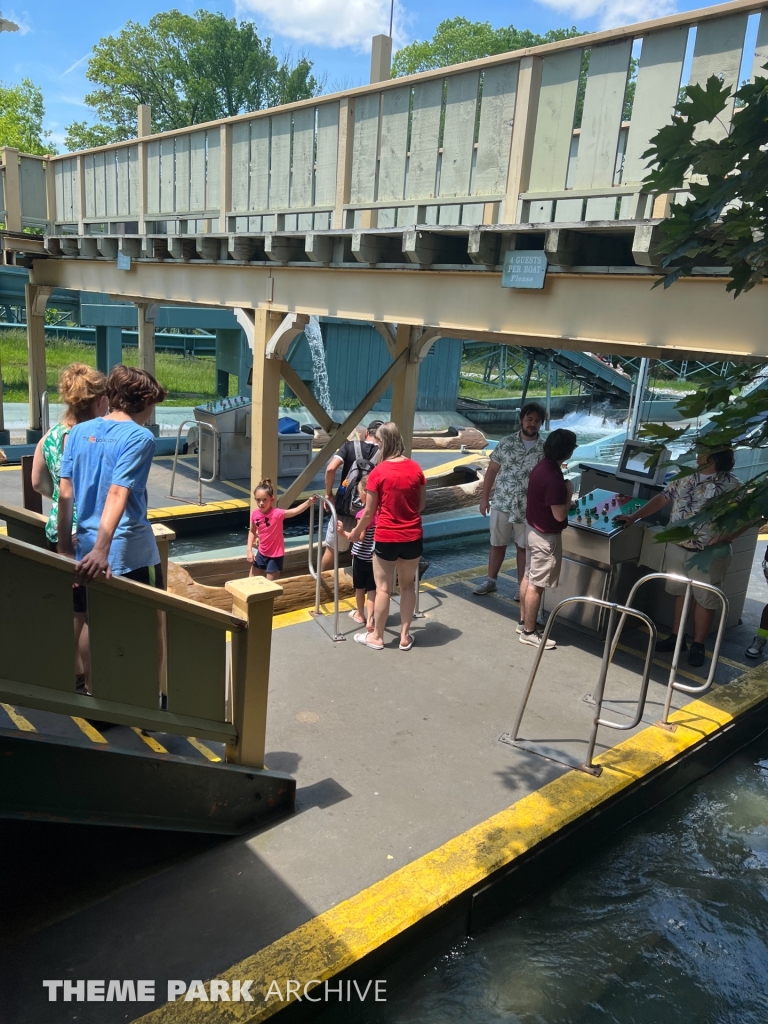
(340, 937)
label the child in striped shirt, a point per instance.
(362, 565)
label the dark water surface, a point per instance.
(668, 926)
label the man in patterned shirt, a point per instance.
(511, 463)
(687, 495)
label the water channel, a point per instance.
(668, 926)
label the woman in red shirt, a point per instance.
(397, 491)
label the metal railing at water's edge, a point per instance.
(201, 425)
(613, 634)
(673, 684)
(608, 649)
(207, 697)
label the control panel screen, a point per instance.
(640, 461)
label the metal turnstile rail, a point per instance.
(316, 573)
(673, 684)
(201, 424)
(608, 649)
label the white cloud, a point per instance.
(612, 13)
(331, 23)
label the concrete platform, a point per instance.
(406, 802)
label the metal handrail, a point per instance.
(608, 650)
(45, 413)
(200, 478)
(317, 574)
(673, 684)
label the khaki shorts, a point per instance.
(503, 529)
(677, 559)
(545, 555)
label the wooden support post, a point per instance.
(225, 176)
(82, 211)
(523, 131)
(50, 195)
(144, 130)
(252, 599)
(344, 159)
(340, 435)
(163, 537)
(265, 399)
(36, 298)
(11, 189)
(305, 396)
(405, 387)
(147, 315)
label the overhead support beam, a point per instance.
(305, 396)
(244, 248)
(427, 247)
(645, 245)
(406, 385)
(579, 311)
(560, 247)
(284, 248)
(319, 248)
(371, 248)
(484, 247)
(341, 434)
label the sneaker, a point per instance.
(696, 655)
(520, 627)
(516, 592)
(668, 645)
(755, 649)
(488, 586)
(534, 640)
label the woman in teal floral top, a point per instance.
(83, 391)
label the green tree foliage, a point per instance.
(457, 40)
(21, 118)
(190, 69)
(725, 220)
(736, 414)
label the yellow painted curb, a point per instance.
(343, 935)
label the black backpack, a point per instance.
(347, 497)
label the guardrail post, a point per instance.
(253, 599)
(11, 189)
(143, 131)
(523, 131)
(344, 159)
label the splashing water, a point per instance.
(317, 350)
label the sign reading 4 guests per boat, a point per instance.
(524, 270)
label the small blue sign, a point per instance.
(123, 261)
(524, 269)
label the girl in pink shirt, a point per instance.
(267, 530)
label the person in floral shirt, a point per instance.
(511, 463)
(687, 495)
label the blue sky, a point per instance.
(56, 38)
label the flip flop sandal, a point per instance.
(353, 616)
(362, 638)
(408, 646)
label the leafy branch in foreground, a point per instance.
(736, 411)
(725, 218)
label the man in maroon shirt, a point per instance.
(549, 498)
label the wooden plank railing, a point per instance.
(205, 698)
(487, 142)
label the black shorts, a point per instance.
(407, 550)
(362, 574)
(269, 563)
(151, 575)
